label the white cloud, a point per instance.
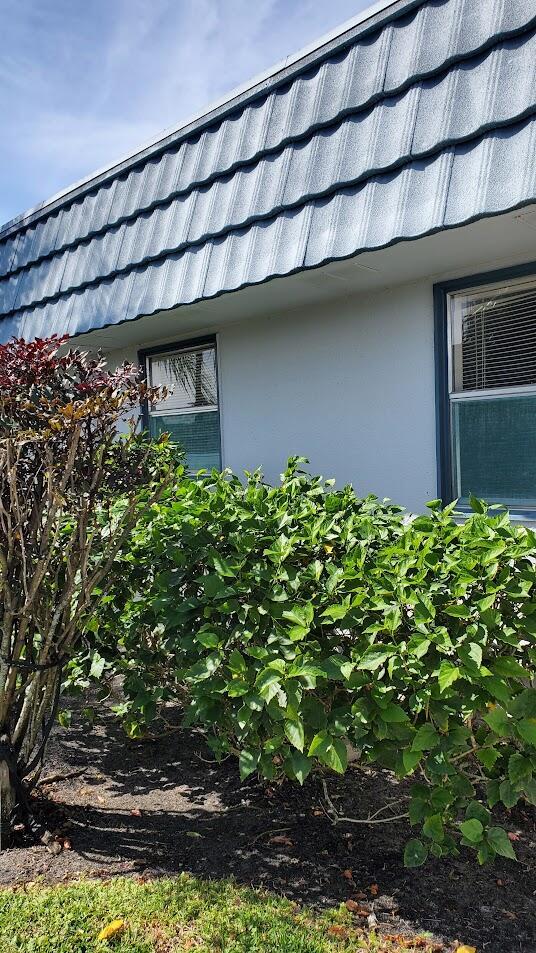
(67, 141)
(81, 85)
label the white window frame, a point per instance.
(488, 392)
(167, 408)
(453, 301)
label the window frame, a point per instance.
(144, 356)
(442, 293)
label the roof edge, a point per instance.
(374, 16)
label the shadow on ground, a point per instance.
(161, 807)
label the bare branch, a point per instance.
(337, 818)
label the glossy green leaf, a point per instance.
(426, 738)
(472, 830)
(527, 729)
(498, 721)
(519, 769)
(223, 567)
(508, 668)
(508, 794)
(393, 713)
(248, 762)
(488, 757)
(433, 828)
(301, 765)
(498, 838)
(294, 731)
(448, 674)
(471, 655)
(336, 756)
(375, 657)
(415, 853)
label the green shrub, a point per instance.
(296, 620)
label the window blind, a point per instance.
(198, 435)
(495, 449)
(495, 339)
(189, 376)
(190, 413)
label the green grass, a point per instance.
(172, 916)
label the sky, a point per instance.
(83, 82)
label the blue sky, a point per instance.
(83, 82)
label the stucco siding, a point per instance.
(350, 385)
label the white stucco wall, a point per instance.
(349, 384)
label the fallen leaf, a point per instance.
(466, 949)
(318, 813)
(512, 836)
(348, 874)
(422, 943)
(67, 844)
(113, 929)
(374, 890)
(193, 834)
(413, 943)
(336, 930)
(500, 883)
(510, 914)
(281, 840)
(356, 908)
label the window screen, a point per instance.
(493, 393)
(190, 414)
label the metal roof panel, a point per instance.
(266, 188)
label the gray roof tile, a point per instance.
(409, 128)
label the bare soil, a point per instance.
(159, 807)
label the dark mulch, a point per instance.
(162, 806)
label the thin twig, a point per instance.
(337, 818)
(54, 778)
(277, 830)
(211, 760)
(388, 806)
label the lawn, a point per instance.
(175, 915)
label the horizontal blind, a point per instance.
(494, 339)
(494, 449)
(190, 377)
(189, 414)
(198, 434)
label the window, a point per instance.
(190, 414)
(492, 392)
